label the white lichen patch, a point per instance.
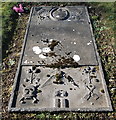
(76, 58)
(51, 40)
(42, 56)
(25, 62)
(46, 50)
(89, 42)
(36, 50)
(31, 61)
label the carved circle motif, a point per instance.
(59, 14)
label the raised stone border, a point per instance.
(15, 106)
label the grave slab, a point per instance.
(65, 38)
(59, 69)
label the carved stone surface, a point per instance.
(59, 69)
(66, 31)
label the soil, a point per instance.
(10, 64)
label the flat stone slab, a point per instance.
(59, 69)
(81, 88)
(65, 38)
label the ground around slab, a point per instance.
(103, 24)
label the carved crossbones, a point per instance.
(91, 93)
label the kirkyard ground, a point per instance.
(103, 21)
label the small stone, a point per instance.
(111, 80)
(113, 89)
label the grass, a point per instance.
(9, 21)
(103, 21)
(104, 29)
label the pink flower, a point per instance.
(18, 9)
